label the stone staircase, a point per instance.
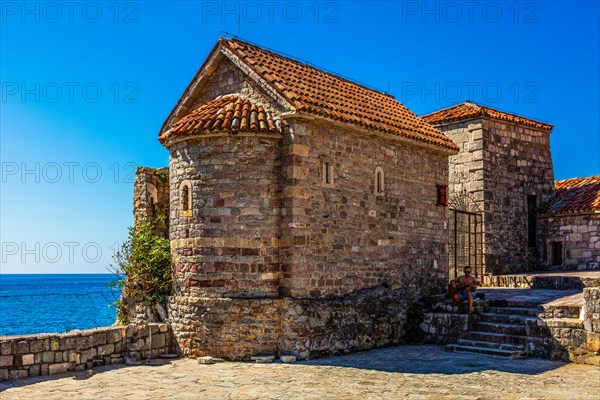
(500, 330)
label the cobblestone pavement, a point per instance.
(405, 372)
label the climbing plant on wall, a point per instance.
(143, 264)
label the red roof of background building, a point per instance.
(469, 110)
(319, 93)
(577, 195)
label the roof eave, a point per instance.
(446, 150)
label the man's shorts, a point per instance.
(463, 296)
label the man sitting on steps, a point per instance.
(463, 288)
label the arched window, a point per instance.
(185, 198)
(379, 181)
(185, 191)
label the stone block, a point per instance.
(6, 348)
(158, 341)
(106, 350)
(3, 374)
(6, 361)
(48, 357)
(115, 336)
(59, 368)
(22, 347)
(34, 370)
(298, 150)
(37, 346)
(18, 374)
(27, 359)
(99, 338)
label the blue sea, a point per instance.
(55, 303)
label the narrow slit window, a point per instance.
(327, 173)
(185, 198)
(379, 181)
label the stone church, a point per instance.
(306, 211)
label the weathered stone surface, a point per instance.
(27, 359)
(6, 361)
(59, 368)
(262, 359)
(579, 236)
(77, 349)
(287, 358)
(412, 372)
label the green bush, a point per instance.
(143, 264)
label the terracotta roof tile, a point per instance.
(224, 114)
(469, 110)
(313, 91)
(577, 195)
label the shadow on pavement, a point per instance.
(432, 359)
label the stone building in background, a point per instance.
(499, 179)
(571, 226)
(304, 212)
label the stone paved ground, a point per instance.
(406, 372)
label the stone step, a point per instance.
(492, 345)
(480, 350)
(531, 311)
(520, 303)
(520, 340)
(506, 329)
(505, 318)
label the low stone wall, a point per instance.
(539, 282)
(445, 328)
(238, 329)
(566, 333)
(47, 354)
(591, 309)
(368, 318)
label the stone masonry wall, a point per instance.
(580, 238)
(47, 354)
(237, 328)
(517, 163)
(499, 165)
(465, 169)
(151, 198)
(227, 245)
(341, 236)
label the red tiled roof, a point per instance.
(312, 91)
(224, 114)
(469, 110)
(577, 195)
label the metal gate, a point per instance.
(466, 245)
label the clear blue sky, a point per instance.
(87, 85)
